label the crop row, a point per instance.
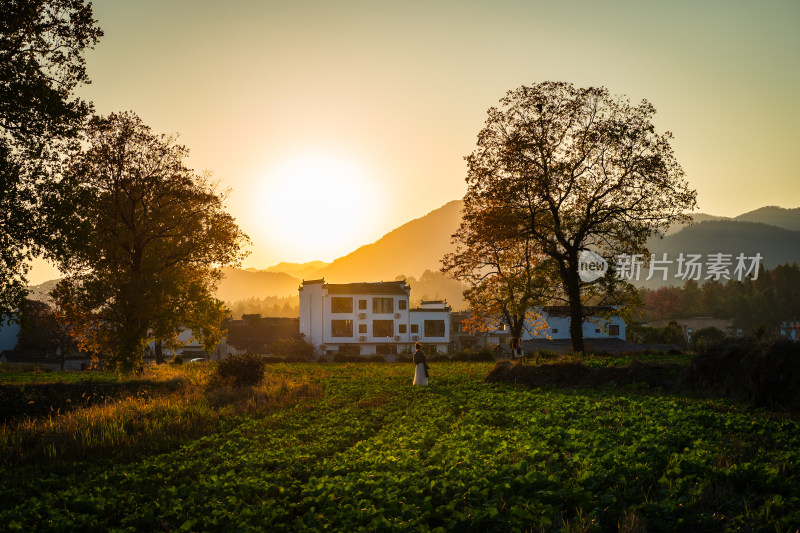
(377, 454)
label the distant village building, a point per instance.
(9, 332)
(790, 329)
(370, 318)
(601, 324)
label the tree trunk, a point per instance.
(159, 352)
(573, 284)
(516, 333)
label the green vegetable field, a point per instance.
(373, 453)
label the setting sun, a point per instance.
(316, 206)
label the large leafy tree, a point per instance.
(42, 43)
(566, 170)
(506, 278)
(150, 236)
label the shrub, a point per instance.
(241, 370)
(293, 350)
(469, 356)
(763, 374)
(706, 337)
(177, 360)
(347, 357)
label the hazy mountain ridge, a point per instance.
(239, 284)
(411, 249)
(298, 270)
(417, 246)
(774, 216)
(776, 245)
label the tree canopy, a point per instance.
(42, 43)
(149, 237)
(560, 170)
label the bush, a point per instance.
(245, 369)
(469, 356)
(177, 360)
(349, 357)
(763, 374)
(293, 350)
(705, 338)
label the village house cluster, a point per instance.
(363, 319)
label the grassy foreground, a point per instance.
(353, 447)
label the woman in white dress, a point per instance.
(421, 366)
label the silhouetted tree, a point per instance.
(42, 43)
(560, 170)
(149, 240)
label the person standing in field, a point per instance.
(420, 366)
(516, 347)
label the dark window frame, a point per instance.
(383, 328)
(340, 328)
(380, 307)
(341, 304)
(435, 328)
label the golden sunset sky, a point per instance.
(334, 122)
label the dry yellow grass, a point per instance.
(147, 421)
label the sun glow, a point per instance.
(316, 207)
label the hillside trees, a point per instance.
(42, 43)
(772, 298)
(562, 170)
(149, 236)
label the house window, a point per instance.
(383, 328)
(362, 328)
(555, 330)
(402, 328)
(383, 305)
(613, 330)
(362, 305)
(401, 305)
(414, 328)
(341, 328)
(386, 349)
(434, 328)
(597, 330)
(340, 304)
(352, 349)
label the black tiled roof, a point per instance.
(383, 287)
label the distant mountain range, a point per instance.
(409, 250)
(771, 215)
(418, 246)
(242, 284)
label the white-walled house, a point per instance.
(369, 318)
(430, 325)
(601, 324)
